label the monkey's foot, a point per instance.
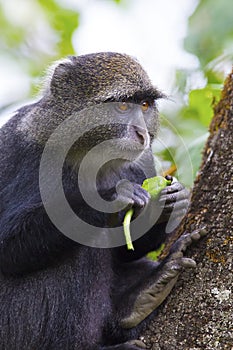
(163, 281)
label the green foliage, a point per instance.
(10, 35)
(192, 123)
(64, 22)
(41, 33)
(210, 39)
(211, 34)
(200, 105)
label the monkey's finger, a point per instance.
(141, 197)
(125, 202)
(174, 197)
(174, 187)
(180, 206)
(188, 263)
(138, 343)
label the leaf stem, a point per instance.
(126, 225)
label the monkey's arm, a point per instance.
(28, 240)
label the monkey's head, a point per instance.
(84, 82)
(100, 77)
(107, 95)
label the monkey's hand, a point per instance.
(132, 195)
(172, 203)
(162, 280)
(126, 196)
(174, 200)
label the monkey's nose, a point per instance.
(141, 135)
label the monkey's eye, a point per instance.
(145, 105)
(123, 106)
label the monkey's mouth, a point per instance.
(125, 149)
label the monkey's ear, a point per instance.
(61, 76)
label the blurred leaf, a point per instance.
(11, 35)
(210, 30)
(201, 104)
(64, 21)
(195, 153)
(40, 34)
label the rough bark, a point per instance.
(199, 312)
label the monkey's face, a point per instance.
(123, 130)
(140, 122)
(116, 145)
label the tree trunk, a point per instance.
(199, 312)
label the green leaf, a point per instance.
(153, 186)
(201, 103)
(210, 30)
(155, 255)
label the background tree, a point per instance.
(198, 313)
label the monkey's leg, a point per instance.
(165, 277)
